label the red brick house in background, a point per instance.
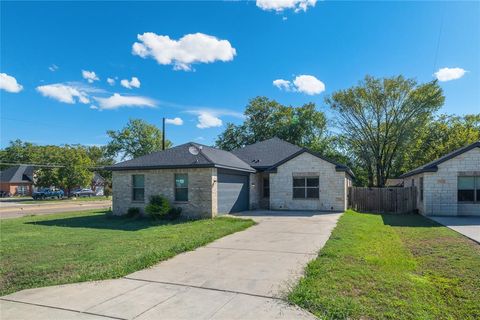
(17, 180)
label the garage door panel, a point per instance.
(232, 193)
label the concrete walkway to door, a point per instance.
(241, 276)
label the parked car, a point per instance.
(86, 192)
(47, 194)
(5, 194)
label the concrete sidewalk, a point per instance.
(468, 226)
(242, 276)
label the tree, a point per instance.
(265, 119)
(440, 136)
(76, 169)
(378, 117)
(136, 139)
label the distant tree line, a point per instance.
(381, 128)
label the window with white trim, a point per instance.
(138, 187)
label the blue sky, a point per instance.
(217, 57)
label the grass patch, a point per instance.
(392, 267)
(73, 247)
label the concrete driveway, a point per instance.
(242, 276)
(468, 226)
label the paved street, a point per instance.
(242, 276)
(468, 226)
(10, 209)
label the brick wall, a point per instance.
(332, 185)
(440, 188)
(202, 192)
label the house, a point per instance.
(205, 181)
(394, 183)
(17, 180)
(449, 185)
(98, 184)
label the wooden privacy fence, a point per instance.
(388, 200)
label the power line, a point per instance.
(438, 45)
(48, 165)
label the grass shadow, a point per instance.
(105, 221)
(408, 220)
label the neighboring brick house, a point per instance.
(17, 180)
(206, 182)
(449, 185)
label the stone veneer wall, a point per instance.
(332, 185)
(202, 190)
(440, 188)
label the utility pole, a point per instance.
(163, 133)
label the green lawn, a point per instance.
(72, 247)
(392, 267)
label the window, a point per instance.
(181, 187)
(413, 182)
(266, 187)
(468, 189)
(305, 188)
(138, 187)
(421, 188)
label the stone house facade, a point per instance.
(449, 186)
(206, 182)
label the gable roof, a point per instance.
(180, 157)
(17, 174)
(433, 166)
(267, 155)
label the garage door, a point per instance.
(232, 192)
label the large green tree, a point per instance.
(440, 136)
(136, 139)
(378, 117)
(266, 118)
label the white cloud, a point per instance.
(282, 84)
(208, 120)
(304, 83)
(175, 121)
(90, 76)
(309, 84)
(111, 81)
(53, 68)
(280, 5)
(134, 83)
(117, 101)
(65, 93)
(9, 83)
(447, 74)
(182, 53)
(93, 107)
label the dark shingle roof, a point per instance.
(17, 174)
(267, 153)
(263, 155)
(433, 166)
(180, 157)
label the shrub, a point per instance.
(133, 212)
(158, 207)
(174, 213)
